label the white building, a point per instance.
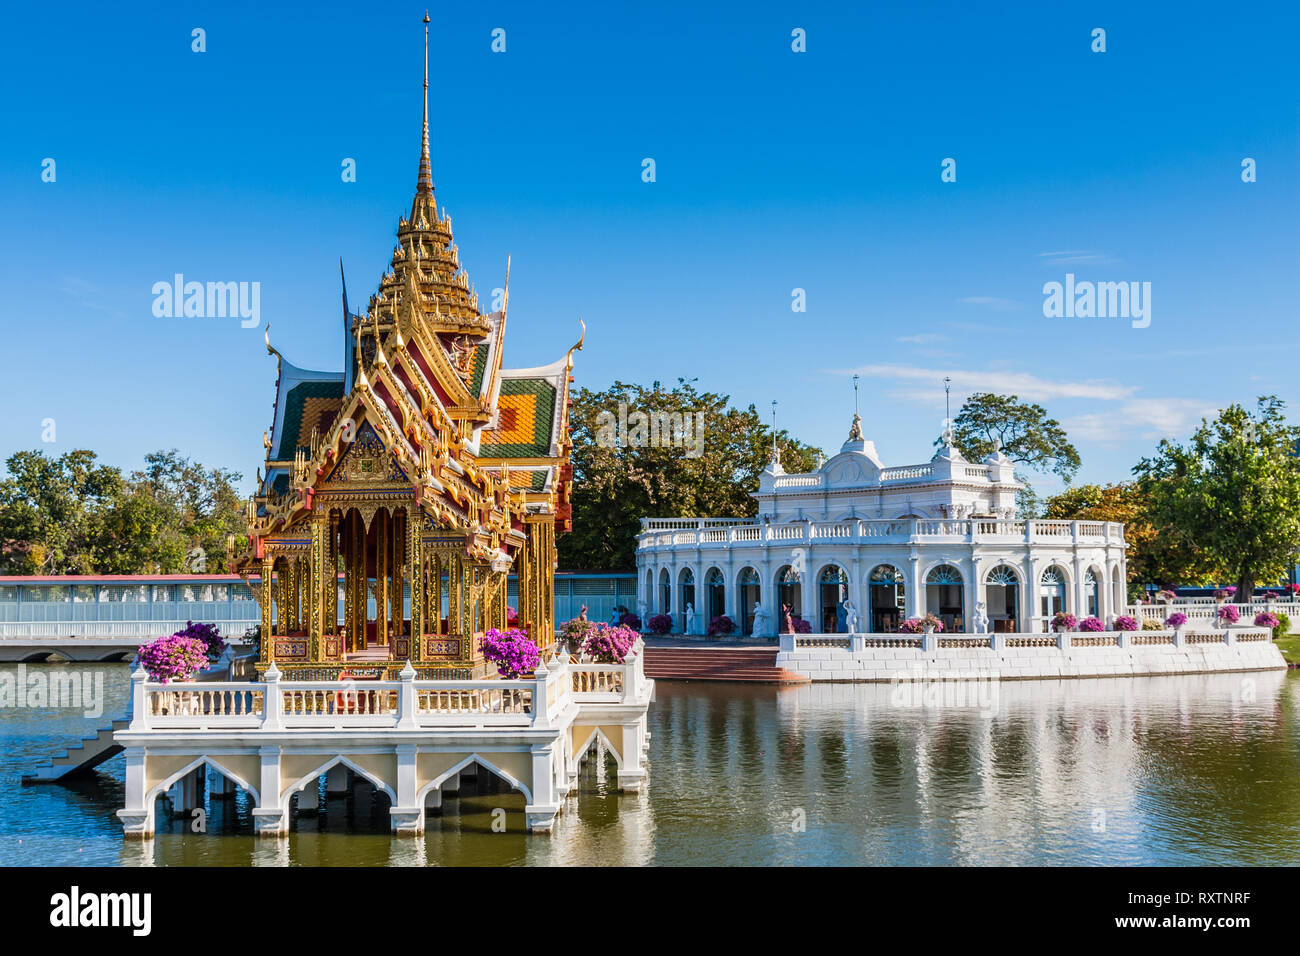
(895, 543)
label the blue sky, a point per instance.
(775, 170)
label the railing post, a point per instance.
(139, 700)
(406, 702)
(273, 703)
(1063, 639)
(1123, 639)
(1229, 638)
(1180, 638)
(541, 705)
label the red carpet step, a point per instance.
(753, 664)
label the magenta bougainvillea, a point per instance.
(721, 625)
(175, 657)
(1267, 619)
(660, 624)
(917, 625)
(630, 620)
(1177, 619)
(209, 634)
(1092, 624)
(1126, 623)
(1227, 613)
(1064, 622)
(513, 652)
(610, 645)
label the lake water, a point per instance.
(1170, 770)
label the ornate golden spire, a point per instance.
(425, 184)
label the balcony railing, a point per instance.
(693, 532)
(407, 704)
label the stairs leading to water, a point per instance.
(90, 753)
(752, 664)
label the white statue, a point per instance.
(850, 618)
(690, 618)
(760, 620)
(641, 609)
(981, 620)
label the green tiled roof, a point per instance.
(287, 442)
(527, 409)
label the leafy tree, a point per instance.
(620, 478)
(1232, 492)
(1026, 435)
(70, 515)
(1153, 557)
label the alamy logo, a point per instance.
(1102, 300)
(72, 689)
(213, 300)
(74, 908)
(653, 429)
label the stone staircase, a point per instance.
(90, 753)
(752, 664)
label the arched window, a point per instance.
(715, 585)
(1091, 594)
(789, 594)
(750, 594)
(1002, 598)
(944, 597)
(885, 594)
(832, 589)
(1051, 590)
(665, 594)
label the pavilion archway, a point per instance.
(945, 597)
(886, 597)
(832, 590)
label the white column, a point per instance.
(137, 816)
(540, 814)
(915, 588)
(269, 817)
(631, 773)
(407, 813)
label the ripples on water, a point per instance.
(1171, 770)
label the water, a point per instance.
(1173, 770)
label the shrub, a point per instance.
(513, 652)
(610, 645)
(721, 625)
(209, 635)
(1151, 624)
(1227, 613)
(1126, 623)
(1092, 624)
(1283, 625)
(660, 624)
(1064, 622)
(630, 620)
(175, 657)
(1177, 619)
(800, 625)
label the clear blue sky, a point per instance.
(775, 170)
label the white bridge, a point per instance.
(411, 739)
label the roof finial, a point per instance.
(425, 184)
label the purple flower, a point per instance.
(610, 645)
(175, 657)
(1126, 623)
(513, 652)
(1092, 624)
(1177, 619)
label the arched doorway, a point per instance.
(887, 598)
(1002, 598)
(715, 587)
(1091, 595)
(944, 597)
(1051, 592)
(686, 581)
(750, 593)
(789, 593)
(832, 589)
(665, 594)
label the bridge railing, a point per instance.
(406, 704)
(1190, 634)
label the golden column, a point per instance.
(266, 593)
(415, 562)
(315, 597)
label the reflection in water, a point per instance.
(1171, 770)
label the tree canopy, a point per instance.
(1231, 493)
(624, 474)
(71, 515)
(1023, 430)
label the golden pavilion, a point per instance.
(400, 494)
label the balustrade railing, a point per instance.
(406, 704)
(885, 530)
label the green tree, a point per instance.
(1232, 492)
(618, 482)
(1024, 434)
(1022, 429)
(53, 512)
